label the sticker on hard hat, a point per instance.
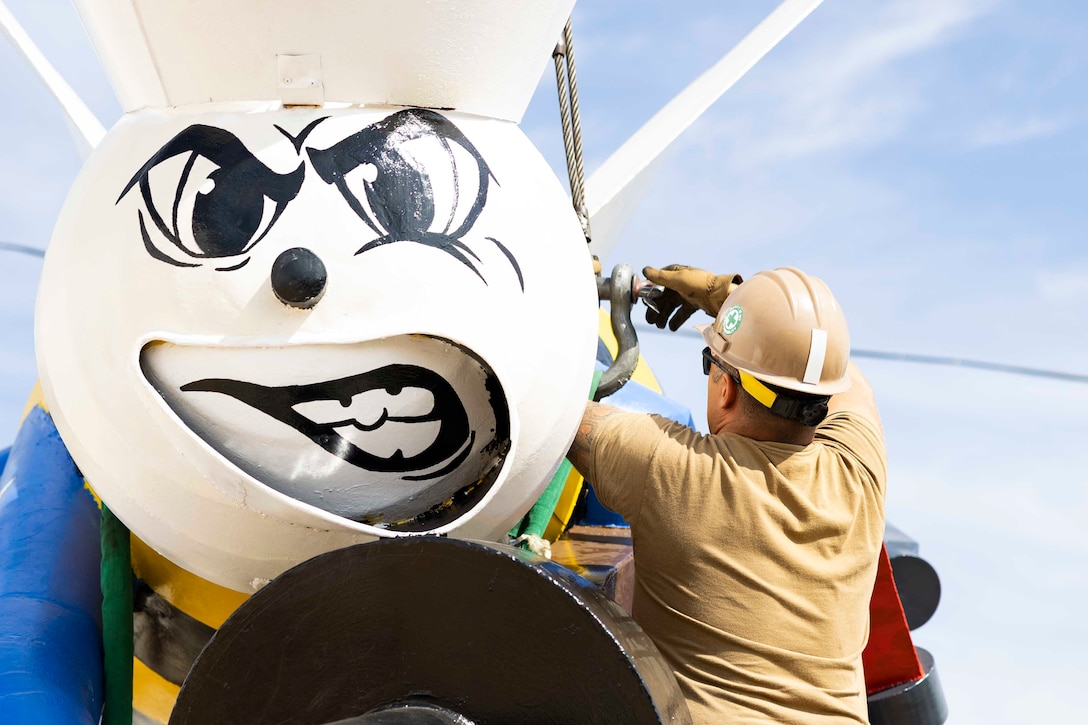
(731, 320)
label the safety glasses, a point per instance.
(709, 359)
(805, 412)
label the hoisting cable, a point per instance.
(566, 80)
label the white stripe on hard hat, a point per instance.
(816, 352)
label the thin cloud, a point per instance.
(844, 93)
(1007, 132)
(1067, 288)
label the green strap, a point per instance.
(116, 620)
(536, 521)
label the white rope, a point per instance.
(537, 544)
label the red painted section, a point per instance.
(889, 657)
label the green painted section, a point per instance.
(116, 620)
(536, 521)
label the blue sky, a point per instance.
(926, 158)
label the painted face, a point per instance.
(340, 321)
(404, 433)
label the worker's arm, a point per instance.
(585, 440)
(858, 399)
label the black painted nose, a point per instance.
(298, 278)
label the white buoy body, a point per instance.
(266, 332)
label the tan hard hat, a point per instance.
(784, 328)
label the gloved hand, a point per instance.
(687, 289)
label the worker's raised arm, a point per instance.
(686, 289)
(858, 399)
(585, 440)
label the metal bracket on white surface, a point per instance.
(299, 80)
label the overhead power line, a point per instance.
(976, 364)
(22, 249)
(928, 360)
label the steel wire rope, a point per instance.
(566, 80)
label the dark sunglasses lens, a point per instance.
(706, 361)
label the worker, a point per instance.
(755, 546)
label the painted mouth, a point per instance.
(342, 415)
(411, 443)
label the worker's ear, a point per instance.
(725, 392)
(730, 393)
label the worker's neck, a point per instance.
(787, 432)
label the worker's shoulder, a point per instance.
(856, 435)
(844, 425)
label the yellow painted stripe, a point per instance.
(564, 508)
(757, 390)
(37, 398)
(199, 598)
(94, 494)
(151, 694)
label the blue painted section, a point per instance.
(4, 458)
(595, 514)
(50, 603)
(636, 398)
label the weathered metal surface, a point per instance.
(603, 555)
(916, 703)
(488, 632)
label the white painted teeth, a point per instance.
(410, 439)
(368, 408)
(371, 410)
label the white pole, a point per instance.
(86, 129)
(615, 189)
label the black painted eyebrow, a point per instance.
(337, 161)
(300, 139)
(223, 149)
(380, 144)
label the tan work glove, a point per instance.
(687, 289)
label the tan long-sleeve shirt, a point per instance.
(754, 561)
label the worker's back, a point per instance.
(755, 562)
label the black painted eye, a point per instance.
(425, 185)
(209, 198)
(231, 214)
(412, 177)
